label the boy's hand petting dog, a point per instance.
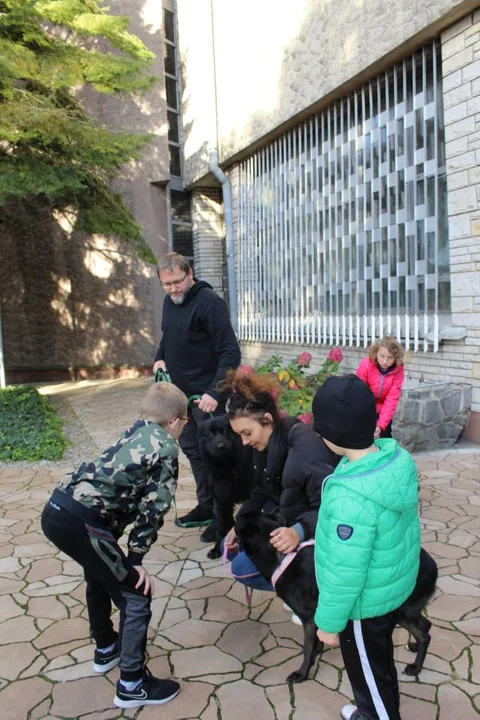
(145, 580)
(284, 539)
(328, 638)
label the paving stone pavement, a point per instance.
(232, 661)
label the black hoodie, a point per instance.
(198, 343)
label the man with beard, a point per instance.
(197, 349)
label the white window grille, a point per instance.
(342, 221)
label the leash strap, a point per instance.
(197, 397)
(248, 591)
(162, 376)
(288, 559)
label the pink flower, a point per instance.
(282, 413)
(304, 359)
(295, 387)
(245, 370)
(275, 392)
(306, 418)
(335, 355)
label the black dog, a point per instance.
(297, 587)
(231, 470)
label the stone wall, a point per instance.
(432, 417)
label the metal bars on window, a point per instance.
(342, 227)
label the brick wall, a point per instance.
(207, 218)
(461, 85)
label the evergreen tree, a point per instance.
(49, 147)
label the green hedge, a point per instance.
(30, 428)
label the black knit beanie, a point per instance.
(344, 412)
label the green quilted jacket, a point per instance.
(367, 541)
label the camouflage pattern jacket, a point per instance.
(134, 480)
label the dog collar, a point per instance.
(288, 559)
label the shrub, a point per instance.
(299, 386)
(30, 428)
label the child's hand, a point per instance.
(328, 638)
(145, 580)
(377, 433)
(284, 539)
(159, 365)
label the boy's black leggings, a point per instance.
(367, 650)
(109, 579)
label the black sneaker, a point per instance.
(151, 691)
(196, 517)
(209, 535)
(102, 662)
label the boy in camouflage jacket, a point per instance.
(133, 481)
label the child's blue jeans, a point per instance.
(245, 571)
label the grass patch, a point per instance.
(30, 428)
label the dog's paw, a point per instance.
(296, 677)
(213, 554)
(412, 669)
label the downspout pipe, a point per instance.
(216, 170)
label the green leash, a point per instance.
(162, 376)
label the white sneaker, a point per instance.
(286, 607)
(296, 620)
(348, 711)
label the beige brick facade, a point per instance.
(207, 218)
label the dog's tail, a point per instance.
(424, 587)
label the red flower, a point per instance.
(335, 355)
(304, 359)
(306, 418)
(245, 370)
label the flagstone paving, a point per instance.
(231, 660)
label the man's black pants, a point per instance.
(367, 651)
(109, 579)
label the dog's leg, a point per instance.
(215, 553)
(311, 648)
(224, 519)
(419, 627)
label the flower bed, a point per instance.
(298, 386)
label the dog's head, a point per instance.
(217, 439)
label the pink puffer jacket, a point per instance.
(386, 388)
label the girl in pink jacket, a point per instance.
(383, 372)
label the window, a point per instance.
(170, 62)
(342, 227)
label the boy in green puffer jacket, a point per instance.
(367, 544)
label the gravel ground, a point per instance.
(81, 445)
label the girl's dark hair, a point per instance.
(252, 395)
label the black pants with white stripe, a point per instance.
(367, 651)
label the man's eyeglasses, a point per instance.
(173, 283)
(184, 418)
